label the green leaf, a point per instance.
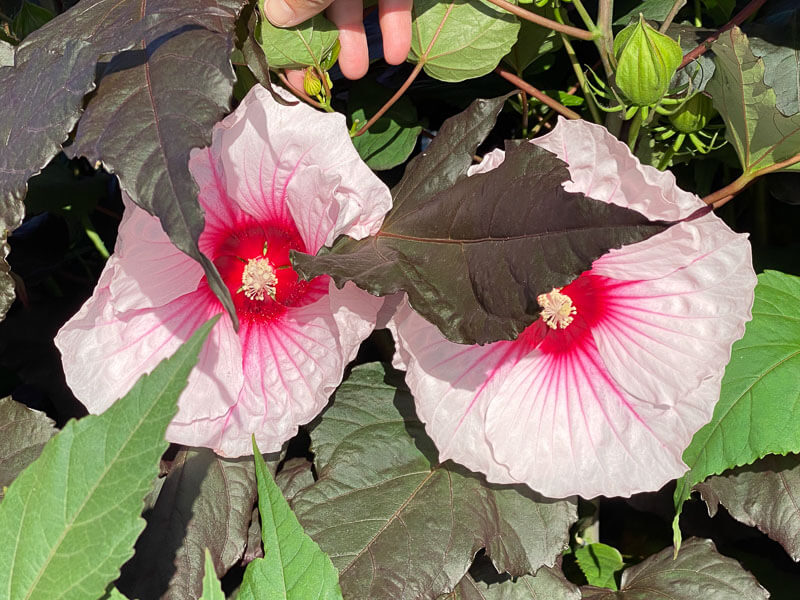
(761, 135)
(719, 10)
(548, 584)
(23, 433)
(29, 18)
(212, 589)
(293, 566)
(777, 43)
(206, 502)
(653, 10)
(533, 41)
(599, 564)
(114, 594)
(698, 571)
(391, 139)
(460, 39)
(758, 412)
(395, 522)
(70, 519)
(474, 258)
(296, 47)
(143, 96)
(764, 495)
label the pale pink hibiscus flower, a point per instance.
(600, 395)
(275, 178)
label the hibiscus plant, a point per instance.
(475, 325)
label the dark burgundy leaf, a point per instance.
(474, 257)
(205, 502)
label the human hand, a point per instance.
(394, 17)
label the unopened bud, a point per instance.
(694, 115)
(646, 62)
(311, 83)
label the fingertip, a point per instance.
(295, 78)
(353, 56)
(395, 21)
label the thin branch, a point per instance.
(673, 12)
(740, 18)
(411, 77)
(538, 94)
(581, 34)
(722, 195)
(576, 67)
(299, 93)
(605, 45)
(409, 80)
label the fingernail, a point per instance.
(279, 13)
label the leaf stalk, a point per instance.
(538, 94)
(575, 32)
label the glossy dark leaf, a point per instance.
(205, 502)
(548, 584)
(397, 524)
(699, 571)
(295, 476)
(777, 43)
(29, 18)
(153, 97)
(23, 433)
(765, 494)
(474, 258)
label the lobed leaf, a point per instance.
(392, 138)
(23, 434)
(698, 571)
(474, 258)
(70, 519)
(150, 97)
(397, 524)
(296, 47)
(777, 43)
(205, 503)
(758, 412)
(599, 564)
(761, 135)
(547, 584)
(460, 39)
(293, 566)
(765, 494)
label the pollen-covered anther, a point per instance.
(258, 279)
(557, 309)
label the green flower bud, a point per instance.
(646, 63)
(311, 82)
(694, 115)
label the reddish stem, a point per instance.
(722, 195)
(539, 95)
(299, 93)
(740, 18)
(575, 32)
(409, 80)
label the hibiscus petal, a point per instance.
(451, 384)
(148, 270)
(662, 335)
(291, 367)
(603, 168)
(562, 426)
(105, 352)
(319, 182)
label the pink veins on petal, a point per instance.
(603, 392)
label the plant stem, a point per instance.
(740, 18)
(698, 14)
(587, 20)
(300, 93)
(523, 100)
(633, 130)
(409, 80)
(573, 59)
(538, 94)
(605, 43)
(673, 12)
(411, 77)
(581, 34)
(722, 195)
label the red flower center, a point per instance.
(254, 264)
